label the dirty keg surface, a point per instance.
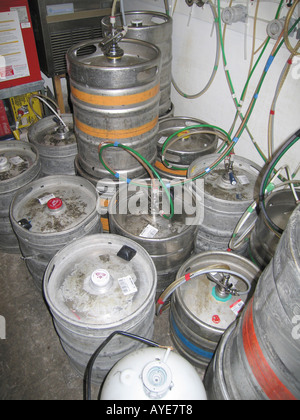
(33, 365)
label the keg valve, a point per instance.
(110, 44)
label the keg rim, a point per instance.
(35, 165)
(88, 239)
(167, 19)
(72, 57)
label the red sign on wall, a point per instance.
(19, 62)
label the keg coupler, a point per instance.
(229, 174)
(110, 44)
(63, 131)
(224, 289)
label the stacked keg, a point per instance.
(115, 100)
(258, 357)
(228, 191)
(57, 145)
(154, 28)
(120, 97)
(101, 283)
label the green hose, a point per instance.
(166, 163)
(119, 145)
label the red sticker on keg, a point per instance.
(216, 319)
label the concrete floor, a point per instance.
(33, 365)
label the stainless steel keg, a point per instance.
(19, 165)
(184, 148)
(189, 145)
(229, 190)
(155, 28)
(56, 144)
(96, 286)
(115, 100)
(50, 213)
(200, 312)
(136, 214)
(258, 358)
(264, 241)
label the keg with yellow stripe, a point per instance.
(115, 100)
(156, 28)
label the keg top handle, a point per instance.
(235, 243)
(291, 182)
(139, 73)
(283, 150)
(147, 23)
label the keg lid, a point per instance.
(89, 283)
(15, 159)
(218, 182)
(190, 145)
(47, 132)
(141, 19)
(55, 204)
(135, 53)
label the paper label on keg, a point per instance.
(149, 232)
(46, 198)
(243, 179)
(16, 160)
(127, 285)
(162, 140)
(237, 307)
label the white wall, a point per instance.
(193, 59)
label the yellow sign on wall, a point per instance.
(24, 114)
